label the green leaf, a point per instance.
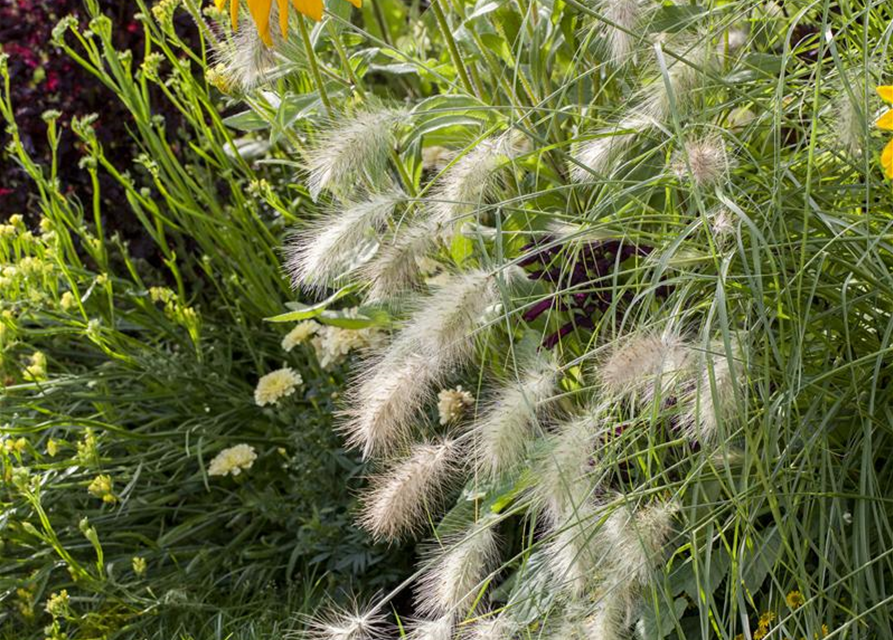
(654, 625)
(305, 312)
(247, 121)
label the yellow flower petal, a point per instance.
(234, 13)
(219, 3)
(357, 3)
(283, 17)
(310, 8)
(260, 13)
(887, 159)
(885, 121)
(886, 93)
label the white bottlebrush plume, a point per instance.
(455, 570)
(244, 61)
(496, 627)
(385, 401)
(399, 499)
(437, 629)
(561, 484)
(339, 241)
(644, 363)
(636, 541)
(346, 154)
(505, 429)
(394, 270)
(573, 551)
(622, 28)
(442, 327)
(722, 223)
(469, 182)
(602, 154)
(607, 621)
(348, 624)
(711, 398)
(703, 161)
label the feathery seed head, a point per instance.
(505, 429)
(704, 161)
(573, 551)
(394, 270)
(643, 363)
(385, 401)
(244, 61)
(497, 627)
(627, 16)
(338, 242)
(437, 629)
(455, 571)
(636, 540)
(358, 148)
(348, 624)
(561, 475)
(398, 500)
(471, 180)
(722, 223)
(711, 398)
(443, 325)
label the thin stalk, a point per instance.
(314, 67)
(451, 45)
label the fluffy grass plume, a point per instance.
(437, 629)
(505, 429)
(715, 382)
(621, 29)
(470, 180)
(394, 270)
(644, 363)
(353, 152)
(384, 402)
(400, 499)
(454, 571)
(338, 242)
(348, 624)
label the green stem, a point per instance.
(451, 45)
(314, 67)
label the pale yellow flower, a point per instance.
(276, 385)
(299, 334)
(101, 487)
(37, 369)
(452, 403)
(232, 461)
(57, 604)
(67, 302)
(139, 565)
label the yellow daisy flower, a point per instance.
(260, 13)
(885, 122)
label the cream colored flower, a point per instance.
(276, 385)
(451, 404)
(299, 334)
(333, 344)
(232, 461)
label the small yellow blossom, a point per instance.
(795, 599)
(452, 403)
(218, 77)
(37, 369)
(139, 565)
(299, 334)
(57, 604)
(276, 385)
(17, 220)
(161, 294)
(68, 301)
(101, 487)
(52, 447)
(102, 279)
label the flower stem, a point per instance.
(314, 67)
(451, 45)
